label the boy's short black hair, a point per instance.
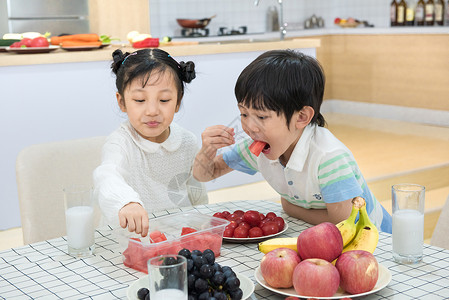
(283, 81)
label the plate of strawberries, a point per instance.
(251, 226)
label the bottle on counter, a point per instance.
(446, 17)
(439, 12)
(410, 13)
(429, 13)
(420, 13)
(393, 12)
(400, 19)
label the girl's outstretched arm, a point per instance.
(135, 217)
(208, 165)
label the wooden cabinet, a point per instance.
(410, 70)
(117, 17)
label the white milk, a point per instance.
(408, 232)
(80, 226)
(172, 294)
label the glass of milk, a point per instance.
(168, 277)
(79, 216)
(408, 222)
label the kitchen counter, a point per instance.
(222, 44)
(63, 56)
(335, 30)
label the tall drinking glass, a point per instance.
(168, 277)
(408, 222)
(79, 215)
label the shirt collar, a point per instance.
(301, 151)
(171, 144)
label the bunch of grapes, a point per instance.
(208, 280)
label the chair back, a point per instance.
(42, 172)
(440, 236)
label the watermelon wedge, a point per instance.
(256, 147)
(187, 230)
(157, 236)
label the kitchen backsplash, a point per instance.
(235, 13)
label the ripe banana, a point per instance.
(275, 243)
(348, 227)
(367, 234)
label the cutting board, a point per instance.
(185, 43)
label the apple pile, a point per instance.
(311, 271)
(250, 224)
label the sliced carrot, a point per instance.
(80, 44)
(84, 37)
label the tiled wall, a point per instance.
(235, 13)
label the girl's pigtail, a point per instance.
(187, 71)
(117, 56)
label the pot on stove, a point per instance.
(194, 23)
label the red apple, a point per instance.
(358, 270)
(320, 241)
(316, 277)
(277, 267)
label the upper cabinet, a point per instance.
(117, 17)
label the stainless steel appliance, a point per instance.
(55, 16)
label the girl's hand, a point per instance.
(214, 138)
(135, 217)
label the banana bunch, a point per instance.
(362, 235)
(275, 243)
(347, 227)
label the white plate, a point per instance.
(246, 285)
(256, 239)
(382, 281)
(32, 50)
(81, 48)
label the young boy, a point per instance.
(279, 96)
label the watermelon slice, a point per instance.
(187, 230)
(256, 147)
(157, 236)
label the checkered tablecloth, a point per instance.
(44, 270)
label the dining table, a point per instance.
(44, 270)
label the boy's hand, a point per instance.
(216, 137)
(208, 165)
(135, 217)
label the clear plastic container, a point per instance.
(208, 235)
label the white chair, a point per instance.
(42, 172)
(440, 236)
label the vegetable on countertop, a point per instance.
(147, 43)
(28, 35)
(83, 37)
(37, 42)
(8, 42)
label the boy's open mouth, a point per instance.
(266, 149)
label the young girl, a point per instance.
(146, 163)
(279, 97)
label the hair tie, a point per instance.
(134, 53)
